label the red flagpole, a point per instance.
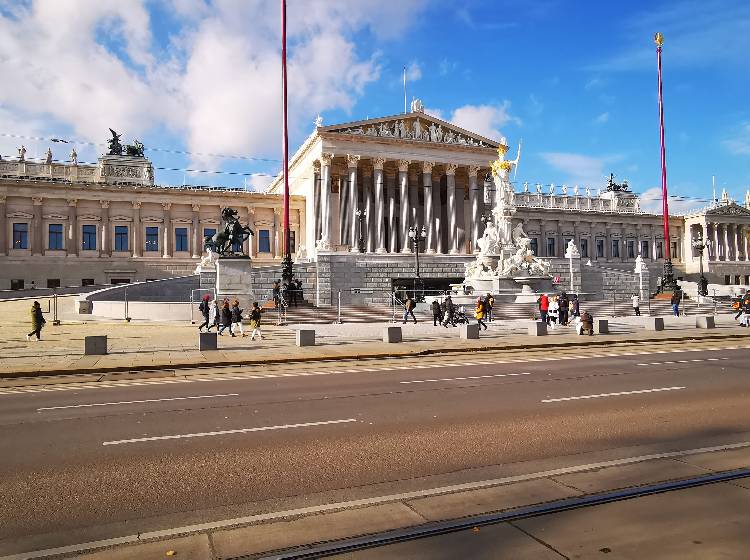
(659, 39)
(286, 244)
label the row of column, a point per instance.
(382, 198)
(729, 241)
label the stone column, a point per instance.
(429, 216)
(345, 214)
(378, 164)
(450, 176)
(726, 241)
(735, 243)
(278, 228)
(368, 202)
(3, 227)
(474, 199)
(197, 245)
(352, 161)
(37, 239)
(715, 248)
(745, 242)
(106, 248)
(325, 200)
(137, 243)
(167, 229)
(317, 222)
(403, 179)
(392, 212)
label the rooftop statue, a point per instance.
(224, 239)
(115, 148)
(135, 149)
(416, 105)
(615, 187)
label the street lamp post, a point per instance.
(700, 245)
(361, 216)
(417, 237)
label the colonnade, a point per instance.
(728, 241)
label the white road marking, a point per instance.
(618, 394)
(226, 432)
(463, 378)
(404, 496)
(137, 402)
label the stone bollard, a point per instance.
(392, 334)
(654, 323)
(95, 345)
(207, 341)
(705, 322)
(469, 332)
(537, 328)
(305, 337)
(601, 326)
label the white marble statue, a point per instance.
(74, 157)
(640, 266)
(22, 153)
(48, 158)
(416, 105)
(318, 121)
(539, 188)
(571, 251)
(208, 261)
(588, 192)
(489, 243)
(575, 190)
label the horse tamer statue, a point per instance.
(224, 239)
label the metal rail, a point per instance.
(445, 527)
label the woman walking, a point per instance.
(37, 321)
(237, 317)
(226, 318)
(255, 316)
(479, 312)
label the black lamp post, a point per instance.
(417, 236)
(700, 245)
(361, 216)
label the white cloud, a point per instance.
(602, 118)
(582, 169)
(651, 202)
(435, 112)
(740, 144)
(594, 82)
(259, 183)
(413, 72)
(486, 120)
(447, 66)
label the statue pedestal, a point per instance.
(234, 280)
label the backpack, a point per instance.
(202, 306)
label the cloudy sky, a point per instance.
(198, 81)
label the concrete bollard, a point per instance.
(601, 326)
(537, 328)
(468, 332)
(207, 341)
(392, 334)
(95, 345)
(654, 323)
(705, 322)
(305, 337)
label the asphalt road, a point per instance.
(80, 464)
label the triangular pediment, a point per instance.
(416, 126)
(728, 209)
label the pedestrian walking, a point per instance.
(37, 321)
(563, 304)
(490, 303)
(292, 291)
(409, 306)
(575, 306)
(554, 311)
(437, 315)
(450, 313)
(543, 302)
(745, 317)
(276, 291)
(675, 301)
(255, 316)
(636, 305)
(237, 318)
(479, 313)
(737, 306)
(205, 308)
(216, 317)
(226, 319)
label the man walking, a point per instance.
(237, 318)
(489, 302)
(563, 303)
(255, 316)
(205, 308)
(409, 306)
(675, 301)
(450, 312)
(437, 316)
(226, 318)
(636, 305)
(276, 290)
(37, 321)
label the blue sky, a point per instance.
(575, 80)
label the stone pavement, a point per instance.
(158, 346)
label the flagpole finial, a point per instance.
(658, 39)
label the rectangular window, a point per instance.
(16, 285)
(152, 238)
(551, 247)
(121, 238)
(53, 282)
(615, 249)
(292, 243)
(600, 248)
(659, 250)
(209, 232)
(534, 246)
(180, 239)
(117, 281)
(631, 249)
(644, 249)
(88, 239)
(87, 282)
(264, 241)
(737, 279)
(20, 236)
(727, 279)
(584, 248)
(55, 237)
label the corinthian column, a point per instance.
(474, 202)
(37, 240)
(392, 212)
(352, 161)
(429, 215)
(403, 181)
(369, 212)
(137, 243)
(317, 222)
(197, 245)
(3, 226)
(105, 250)
(377, 164)
(726, 242)
(167, 237)
(325, 200)
(450, 178)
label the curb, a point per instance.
(175, 368)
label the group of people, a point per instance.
(741, 304)
(290, 293)
(563, 310)
(223, 316)
(447, 313)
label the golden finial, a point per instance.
(658, 39)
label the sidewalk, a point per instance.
(701, 522)
(163, 346)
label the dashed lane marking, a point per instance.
(618, 394)
(463, 378)
(88, 405)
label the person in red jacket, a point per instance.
(543, 302)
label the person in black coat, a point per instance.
(205, 309)
(437, 315)
(563, 311)
(450, 313)
(226, 318)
